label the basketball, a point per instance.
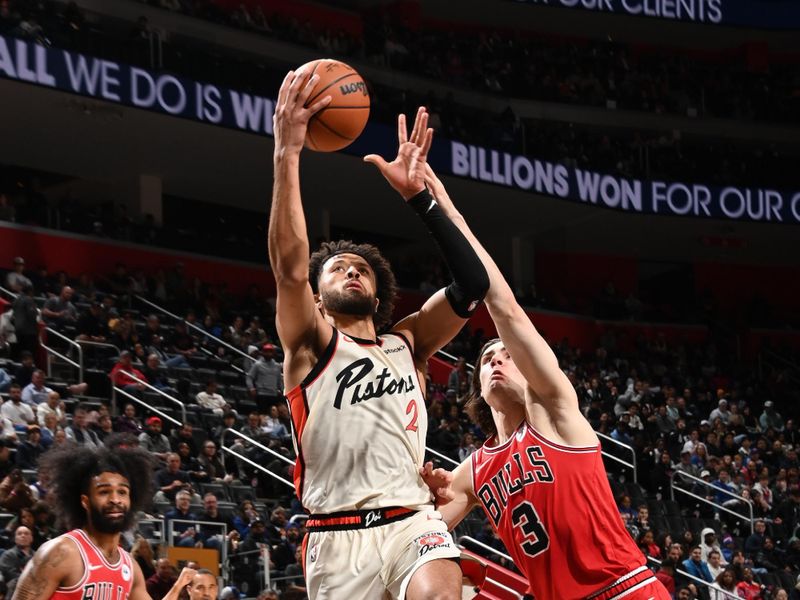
(343, 120)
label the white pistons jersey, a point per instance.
(359, 427)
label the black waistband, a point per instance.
(357, 519)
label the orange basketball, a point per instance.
(343, 120)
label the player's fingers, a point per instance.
(284, 91)
(402, 130)
(422, 129)
(320, 104)
(426, 144)
(295, 86)
(305, 93)
(417, 119)
(376, 160)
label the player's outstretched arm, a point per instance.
(297, 318)
(531, 353)
(50, 568)
(452, 492)
(444, 313)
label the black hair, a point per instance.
(386, 286)
(71, 470)
(476, 406)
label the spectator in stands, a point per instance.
(621, 431)
(154, 441)
(726, 581)
(685, 465)
(708, 544)
(467, 446)
(155, 375)
(647, 544)
(36, 391)
(6, 464)
(8, 432)
(160, 583)
(48, 430)
(213, 401)
(53, 405)
(5, 380)
(181, 344)
(256, 536)
(183, 434)
(721, 412)
(258, 336)
(666, 575)
(747, 588)
(185, 533)
(696, 566)
(59, 311)
(123, 373)
(715, 566)
(142, 553)
(13, 561)
(16, 280)
(171, 479)
(214, 537)
(15, 410)
(459, 373)
(152, 329)
(265, 378)
(92, 326)
(79, 431)
(770, 418)
(755, 542)
(212, 464)
(246, 515)
(26, 326)
(128, 422)
(29, 451)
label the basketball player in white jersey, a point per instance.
(357, 399)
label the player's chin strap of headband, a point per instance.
(470, 280)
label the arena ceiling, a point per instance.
(111, 145)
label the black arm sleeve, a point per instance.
(470, 280)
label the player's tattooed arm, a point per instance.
(48, 570)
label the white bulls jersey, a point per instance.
(359, 427)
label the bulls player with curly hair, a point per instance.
(96, 494)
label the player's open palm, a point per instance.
(406, 173)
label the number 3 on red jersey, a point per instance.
(536, 539)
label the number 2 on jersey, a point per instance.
(536, 539)
(412, 408)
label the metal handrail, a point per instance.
(674, 487)
(117, 390)
(212, 355)
(8, 292)
(161, 393)
(472, 540)
(78, 365)
(98, 344)
(223, 558)
(442, 456)
(193, 326)
(255, 443)
(454, 358)
(696, 579)
(631, 465)
(256, 465)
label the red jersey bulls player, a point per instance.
(97, 492)
(540, 476)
